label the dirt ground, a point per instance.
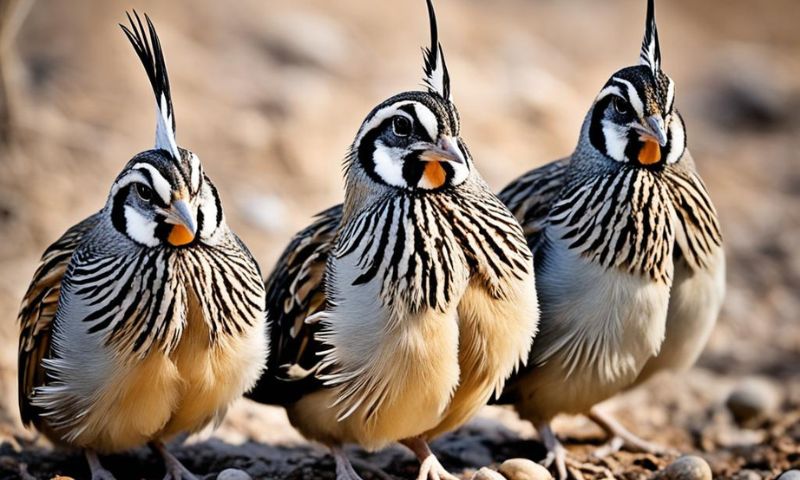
(270, 93)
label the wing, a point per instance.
(38, 310)
(530, 196)
(296, 290)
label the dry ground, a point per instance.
(270, 93)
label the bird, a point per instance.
(627, 250)
(147, 319)
(399, 312)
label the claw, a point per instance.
(622, 437)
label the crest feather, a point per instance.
(437, 79)
(149, 52)
(651, 51)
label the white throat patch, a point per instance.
(140, 228)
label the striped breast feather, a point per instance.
(38, 311)
(295, 291)
(490, 236)
(227, 282)
(621, 219)
(138, 298)
(132, 299)
(698, 233)
(531, 196)
(406, 242)
(419, 245)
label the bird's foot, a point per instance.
(344, 469)
(556, 453)
(431, 469)
(622, 437)
(429, 466)
(98, 472)
(174, 467)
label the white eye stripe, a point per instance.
(379, 117)
(670, 94)
(610, 90)
(428, 120)
(424, 116)
(633, 96)
(677, 140)
(131, 177)
(160, 184)
(196, 171)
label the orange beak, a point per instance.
(650, 152)
(654, 139)
(184, 226)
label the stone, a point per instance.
(524, 469)
(752, 399)
(233, 474)
(486, 473)
(688, 467)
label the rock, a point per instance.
(688, 467)
(486, 473)
(752, 399)
(233, 474)
(524, 469)
(790, 475)
(747, 475)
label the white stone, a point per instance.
(524, 469)
(233, 474)
(486, 473)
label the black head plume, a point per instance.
(436, 77)
(651, 51)
(149, 51)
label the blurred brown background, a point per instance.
(270, 94)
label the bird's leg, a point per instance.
(429, 468)
(555, 451)
(175, 469)
(98, 472)
(620, 436)
(344, 469)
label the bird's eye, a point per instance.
(621, 106)
(401, 126)
(144, 192)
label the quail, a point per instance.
(400, 312)
(147, 319)
(627, 250)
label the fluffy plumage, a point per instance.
(146, 319)
(400, 312)
(627, 249)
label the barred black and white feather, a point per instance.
(148, 47)
(650, 54)
(437, 78)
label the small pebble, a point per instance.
(524, 469)
(233, 474)
(486, 473)
(753, 398)
(747, 475)
(790, 475)
(686, 468)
